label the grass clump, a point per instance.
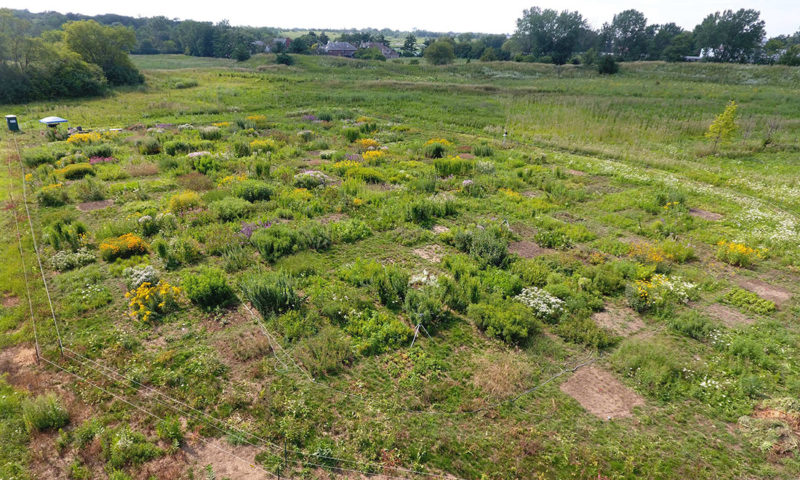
(44, 413)
(208, 289)
(271, 293)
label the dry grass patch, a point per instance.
(501, 374)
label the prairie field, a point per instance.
(352, 269)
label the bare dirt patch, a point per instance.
(220, 456)
(431, 253)
(728, 316)
(705, 214)
(437, 229)
(333, 217)
(601, 394)
(466, 156)
(90, 206)
(767, 291)
(10, 301)
(315, 162)
(622, 321)
(577, 173)
(526, 249)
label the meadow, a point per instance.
(351, 268)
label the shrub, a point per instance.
(483, 150)
(544, 305)
(123, 246)
(552, 239)
(452, 166)
(90, 190)
(148, 146)
(391, 283)
(149, 301)
(376, 332)
(136, 275)
(738, 254)
(690, 324)
(65, 234)
(263, 145)
(64, 260)
(326, 353)
(178, 251)
(123, 446)
(316, 237)
(252, 190)
(434, 150)
(75, 171)
(310, 179)
(176, 147)
(276, 241)
(104, 150)
(184, 201)
(206, 163)
(242, 149)
(509, 321)
(749, 301)
(607, 65)
(208, 288)
(284, 59)
(44, 412)
(235, 257)
(351, 134)
(52, 195)
(210, 133)
(488, 248)
(230, 208)
(658, 292)
(32, 158)
(271, 293)
(424, 307)
(349, 231)
(170, 430)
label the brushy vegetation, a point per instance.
(355, 219)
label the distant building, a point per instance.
(386, 50)
(340, 49)
(282, 44)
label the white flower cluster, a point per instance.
(681, 289)
(424, 278)
(541, 302)
(139, 275)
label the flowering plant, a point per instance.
(644, 295)
(149, 300)
(84, 138)
(738, 254)
(123, 246)
(544, 305)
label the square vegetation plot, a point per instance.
(271, 265)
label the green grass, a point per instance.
(597, 175)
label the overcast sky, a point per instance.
(498, 16)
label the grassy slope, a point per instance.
(647, 121)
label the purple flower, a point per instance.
(310, 118)
(96, 160)
(248, 228)
(467, 183)
(354, 157)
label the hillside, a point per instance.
(241, 255)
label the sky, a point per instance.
(498, 16)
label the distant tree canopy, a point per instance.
(440, 52)
(547, 33)
(77, 61)
(731, 36)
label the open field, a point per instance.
(241, 271)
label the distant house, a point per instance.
(340, 49)
(386, 50)
(275, 42)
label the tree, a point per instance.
(628, 34)
(682, 45)
(662, 40)
(724, 126)
(548, 33)
(241, 52)
(371, 53)
(607, 65)
(409, 48)
(731, 36)
(106, 47)
(791, 56)
(440, 52)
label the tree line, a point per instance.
(82, 58)
(550, 36)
